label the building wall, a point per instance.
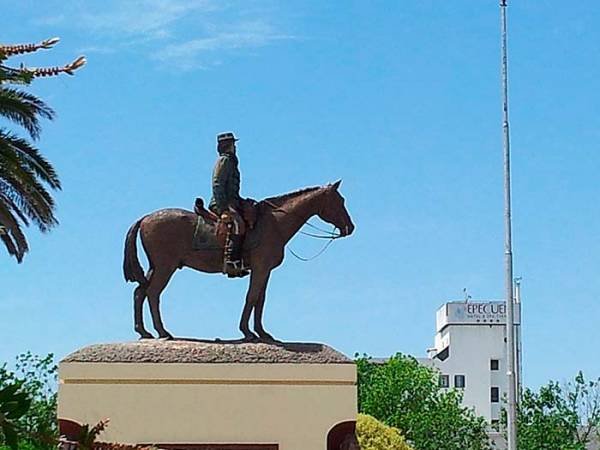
(471, 349)
(292, 405)
(468, 336)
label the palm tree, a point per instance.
(26, 177)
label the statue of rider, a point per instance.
(226, 203)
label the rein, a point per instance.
(314, 256)
(331, 235)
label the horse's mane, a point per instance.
(279, 199)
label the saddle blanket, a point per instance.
(205, 236)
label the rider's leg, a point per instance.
(233, 264)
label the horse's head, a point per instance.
(334, 211)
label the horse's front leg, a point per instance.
(258, 281)
(258, 315)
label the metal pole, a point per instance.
(518, 341)
(508, 259)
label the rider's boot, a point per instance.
(233, 265)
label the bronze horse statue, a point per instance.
(167, 236)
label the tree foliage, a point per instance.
(26, 177)
(559, 416)
(14, 404)
(36, 378)
(375, 435)
(405, 394)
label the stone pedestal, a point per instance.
(207, 395)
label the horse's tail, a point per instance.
(132, 269)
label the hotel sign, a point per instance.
(477, 313)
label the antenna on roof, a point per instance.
(467, 296)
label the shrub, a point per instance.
(374, 435)
(14, 404)
(36, 377)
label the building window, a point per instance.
(444, 381)
(495, 395)
(494, 364)
(459, 381)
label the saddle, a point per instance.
(211, 230)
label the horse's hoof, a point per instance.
(264, 335)
(266, 338)
(166, 336)
(145, 335)
(249, 336)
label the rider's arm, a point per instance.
(220, 177)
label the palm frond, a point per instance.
(10, 75)
(9, 244)
(24, 109)
(10, 204)
(11, 234)
(29, 156)
(24, 172)
(31, 198)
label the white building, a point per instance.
(470, 352)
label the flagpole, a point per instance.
(508, 257)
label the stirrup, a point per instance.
(235, 269)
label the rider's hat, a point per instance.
(222, 137)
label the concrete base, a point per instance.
(283, 397)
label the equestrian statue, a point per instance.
(234, 236)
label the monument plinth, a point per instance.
(218, 395)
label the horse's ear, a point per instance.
(336, 185)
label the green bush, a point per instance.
(14, 404)
(374, 435)
(37, 378)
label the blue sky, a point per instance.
(401, 99)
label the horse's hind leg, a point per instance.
(158, 281)
(139, 296)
